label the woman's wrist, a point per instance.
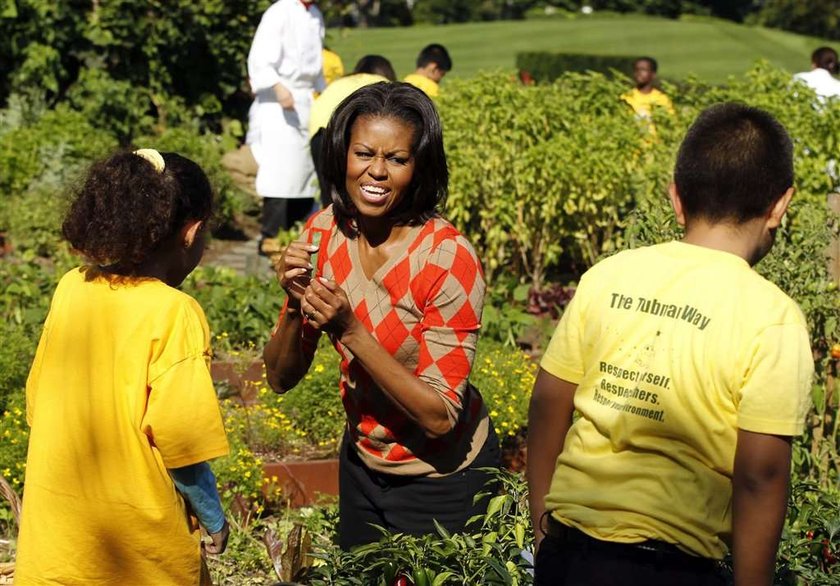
(352, 333)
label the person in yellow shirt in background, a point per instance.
(645, 97)
(433, 63)
(122, 411)
(369, 70)
(690, 373)
(333, 66)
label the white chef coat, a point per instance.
(286, 49)
(821, 81)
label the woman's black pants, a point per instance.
(408, 504)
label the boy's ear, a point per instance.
(676, 203)
(190, 231)
(778, 209)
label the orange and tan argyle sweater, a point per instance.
(424, 307)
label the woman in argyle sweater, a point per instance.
(399, 291)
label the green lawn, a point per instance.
(709, 48)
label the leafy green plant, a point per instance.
(245, 562)
(527, 185)
(113, 105)
(26, 287)
(57, 146)
(546, 67)
(16, 355)
(244, 308)
(193, 51)
(488, 552)
(14, 439)
(315, 406)
(505, 377)
(810, 547)
(33, 228)
(799, 265)
(505, 316)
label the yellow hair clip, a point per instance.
(154, 157)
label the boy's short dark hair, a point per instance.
(654, 66)
(377, 65)
(437, 54)
(825, 58)
(734, 164)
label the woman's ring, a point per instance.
(310, 316)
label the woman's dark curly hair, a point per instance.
(403, 102)
(125, 209)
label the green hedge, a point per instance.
(43, 152)
(546, 67)
(543, 178)
(195, 51)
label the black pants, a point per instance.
(572, 558)
(408, 504)
(283, 212)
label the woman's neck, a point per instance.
(379, 231)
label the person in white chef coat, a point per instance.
(284, 68)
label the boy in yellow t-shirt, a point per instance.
(433, 62)
(645, 97)
(690, 373)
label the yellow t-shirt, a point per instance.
(643, 104)
(325, 104)
(430, 87)
(674, 348)
(332, 66)
(119, 391)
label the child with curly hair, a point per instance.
(119, 399)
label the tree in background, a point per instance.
(367, 13)
(445, 12)
(735, 10)
(163, 55)
(820, 18)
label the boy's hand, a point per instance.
(220, 539)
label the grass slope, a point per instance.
(710, 48)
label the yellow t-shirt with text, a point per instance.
(119, 391)
(430, 87)
(674, 348)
